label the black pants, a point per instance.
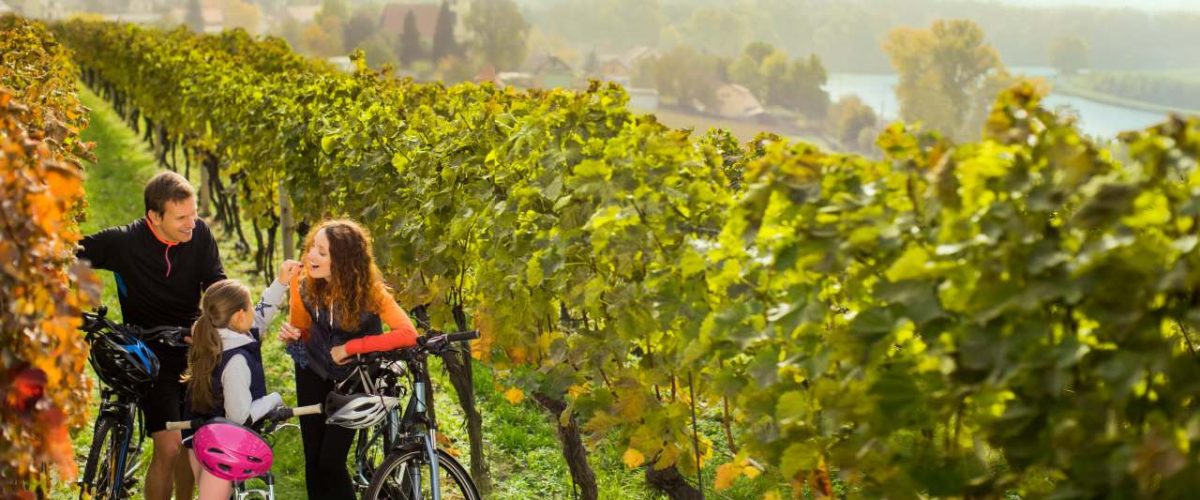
(325, 446)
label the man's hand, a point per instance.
(339, 354)
(289, 333)
(287, 270)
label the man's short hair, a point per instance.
(164, 187)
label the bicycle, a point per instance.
(109, 474)
(371, 443)
(413, 467)
(214, 434)
(377, 379)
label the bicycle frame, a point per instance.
(373, 379)
(123, 408)
(125, 413)
(417, 426)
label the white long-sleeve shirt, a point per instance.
(240, 406)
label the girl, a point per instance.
(337, 310)
(225, 372)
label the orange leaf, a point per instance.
(633, 458)
(514, 395)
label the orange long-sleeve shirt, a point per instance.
(402, 334)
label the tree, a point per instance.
(498, 32)
(361, 27)
(746, 70)
(332, 9)
(808, 80)
(611, 25)
(319, 42)
(777, 87)
(443, 34)
(290, 30)
(591, 64)
(796, 86)
(195, 16)
(943, 71)
(378, 51)
(849, 118)
(1069, 54)
(683, 75)
(410, 41)
(241, 14)
(324, 36)
(717, 30)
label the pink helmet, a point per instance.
(230, 451)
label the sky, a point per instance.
(1154, 5)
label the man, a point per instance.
(161, 263)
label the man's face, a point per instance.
(177, 221)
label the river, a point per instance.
(1095, 118)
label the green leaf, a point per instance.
(799, 457)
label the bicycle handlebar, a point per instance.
(278, 414)
(173, 336)
(462, 336)
(435, 343)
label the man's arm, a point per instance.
(100, 248)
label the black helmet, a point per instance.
(124, 362)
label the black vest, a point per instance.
(252, 353)
(322, 337)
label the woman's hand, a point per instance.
(287, 270)
(339, 354)
(289, 333)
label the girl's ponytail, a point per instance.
(217, 307)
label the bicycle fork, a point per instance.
(430, 439)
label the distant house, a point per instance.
(302, 14)
(487, 74)
(614, 69)
(516, 79)
(549, 71)
(736, 101)
(135, 17)
(210, 11)
(214, 19)
(643, 99)
(638, 54)
(391, 21)
(342, 63)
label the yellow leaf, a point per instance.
(726, 474)
(633, 458)
(772, 495)
(514, 395)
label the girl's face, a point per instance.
(242, 321)
(317, 260)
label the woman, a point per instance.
(337, 310)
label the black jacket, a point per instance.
(158, 285)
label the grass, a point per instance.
(523, 453)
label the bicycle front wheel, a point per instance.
(405, 475)
(101, 478)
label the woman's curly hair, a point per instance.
(354, 282)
